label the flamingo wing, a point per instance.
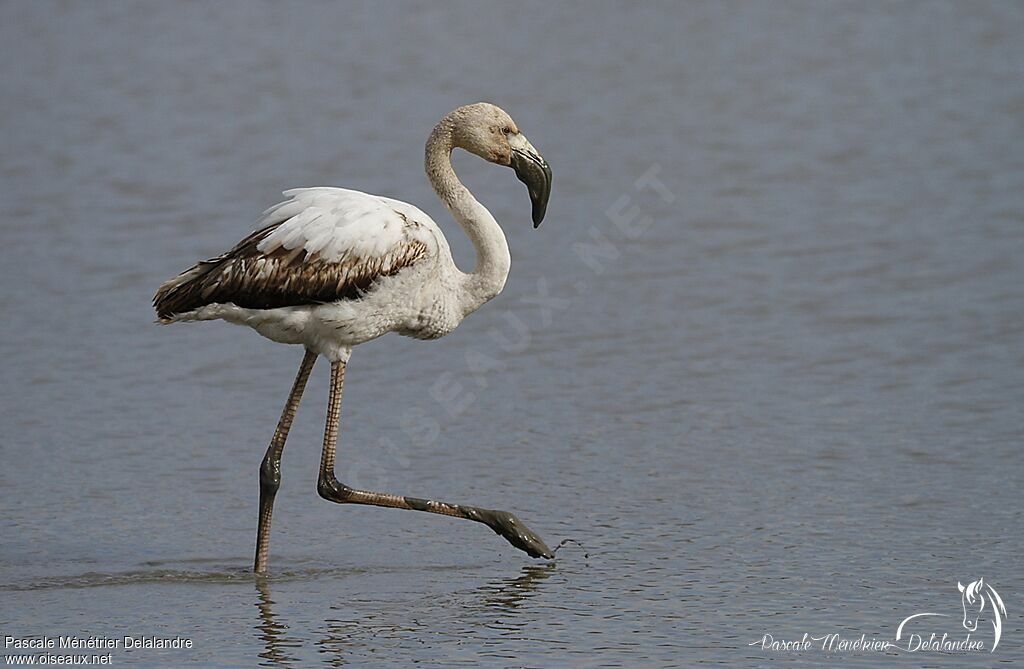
(319, 245)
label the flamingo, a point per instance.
(330, 268)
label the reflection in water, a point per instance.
(271, 632)
(376, 627)
(340, 635)
(501, 610)
(508, 594)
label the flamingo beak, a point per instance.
(533, 171)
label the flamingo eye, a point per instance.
(507, 130)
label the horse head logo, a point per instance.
(973, 597)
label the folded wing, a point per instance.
(320, 245)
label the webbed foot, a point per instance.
(514, 530)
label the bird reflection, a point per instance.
(508, 594)
(375, 628)
(341, 636)
(271, 632)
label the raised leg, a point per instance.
(270, 470)
(502, 522)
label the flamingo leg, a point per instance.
(270, 470)
(328, 486)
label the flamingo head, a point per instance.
(487, 131)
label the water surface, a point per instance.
(781, 392)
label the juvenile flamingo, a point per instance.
(331, 268)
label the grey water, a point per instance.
(764, 361)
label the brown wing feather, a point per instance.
(248, 278)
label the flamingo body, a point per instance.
(330, 268)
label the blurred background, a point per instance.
(762, 360)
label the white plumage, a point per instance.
(413, 282)
(335, 222)
(330, 268)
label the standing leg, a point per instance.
(270, 470)
(502, 522)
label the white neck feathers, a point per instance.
(492, 256)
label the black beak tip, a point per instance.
(535, 173)
(540, 207)
(539, 196)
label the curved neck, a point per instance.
(492, 257)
